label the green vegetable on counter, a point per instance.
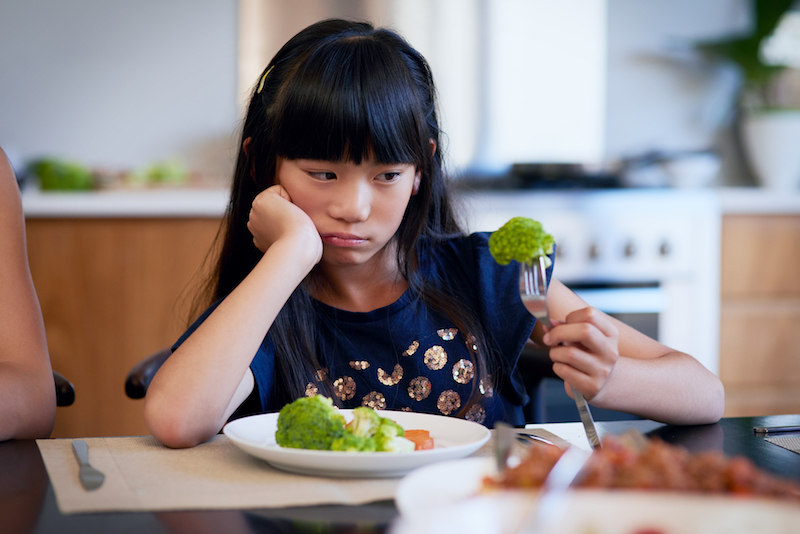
(315, 423)
(59, 175)
(521, 239)
(163, 172)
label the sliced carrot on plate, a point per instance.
(421, 438)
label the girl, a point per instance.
(343, 270)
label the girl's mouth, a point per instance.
(343, 240)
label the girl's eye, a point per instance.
(323, 175)
(389, 176)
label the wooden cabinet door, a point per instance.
(760, 314)
(112, 292)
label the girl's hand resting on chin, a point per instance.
(584, 350)
(273, 217)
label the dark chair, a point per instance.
(549, 403)
(65, 391)
(537, 370)
(139, 377)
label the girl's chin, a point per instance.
(344, 258)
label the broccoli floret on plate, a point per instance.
(365, 422)
(348, 441)
(389, 437)
(309, 423)
(315, 423)
(521, 239)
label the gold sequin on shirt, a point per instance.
(359, 365)
(435, 358)
(344, 387)
(419, 388)
(322, 374)
(463, 371)
(485, 386)
(472, 343)
(311, 390)
(448, 402)
(390, 379)
(374, 400)
(411, 349)
(447, 334)
(476, 414)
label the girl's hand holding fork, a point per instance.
(584, 350)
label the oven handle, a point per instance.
(625, 300)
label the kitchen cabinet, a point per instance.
(113, 291)
(760, 313)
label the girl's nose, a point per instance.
(352, 202)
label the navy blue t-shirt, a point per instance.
(405, 357)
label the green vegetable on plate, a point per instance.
(309, 423)
(315, 423)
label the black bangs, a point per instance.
(345, 103)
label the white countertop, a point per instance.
(168, 203)
(124, 203)
(755, 200)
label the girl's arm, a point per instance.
(616, 367)
(203, 382)
(27, 390)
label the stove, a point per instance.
(650, 257)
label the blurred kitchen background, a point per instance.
(118, 86)
(617, 123)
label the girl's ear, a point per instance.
(246, 149)
(418, 176)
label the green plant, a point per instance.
(745, 52)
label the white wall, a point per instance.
(660, 94)
(119, 84)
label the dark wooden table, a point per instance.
(27, 501)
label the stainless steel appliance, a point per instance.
(650, 257)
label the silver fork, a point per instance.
(533, 292)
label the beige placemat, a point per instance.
(787, 442)
(143, 475)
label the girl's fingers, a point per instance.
(583, 336)
(595, 317)
(584, 350)
(587, 327)
(589, 383)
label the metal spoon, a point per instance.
(90, 477)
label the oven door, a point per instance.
(639, 305)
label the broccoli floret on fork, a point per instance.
(521, 239)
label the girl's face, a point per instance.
(356, 208)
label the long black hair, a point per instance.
(342, 90)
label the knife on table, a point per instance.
(90, 477)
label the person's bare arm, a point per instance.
(27, 390)
(208, 376)
(619, 368)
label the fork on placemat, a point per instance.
(533, 292)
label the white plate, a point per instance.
(445, 498)
(452, 437)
